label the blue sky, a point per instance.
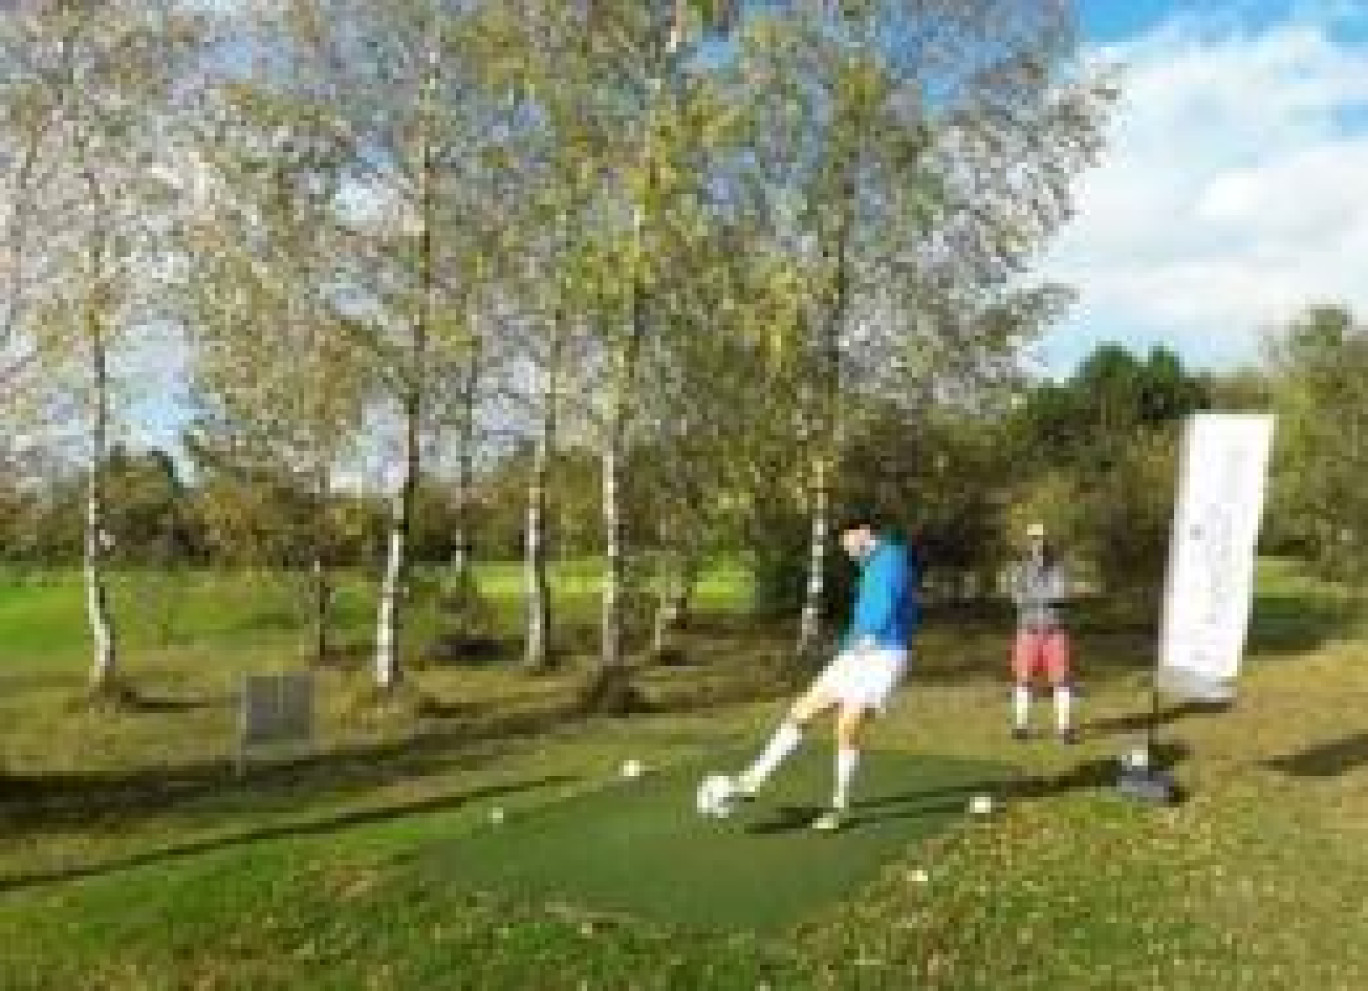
(1115, 20)
(1233, 192)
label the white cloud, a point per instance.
(1234, 192)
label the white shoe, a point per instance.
(831, 821)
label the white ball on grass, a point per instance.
(496, 815)
(981, 805)
(632, 769)
(715, 796)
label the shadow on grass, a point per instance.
(1328, 760)
(785, 819)
(796, 818)
(947, 800)
(1135, 722)
(799, 817)
(318, 827)
(1101, 773)
(32, 802)
(146, 702)
(1091, 775)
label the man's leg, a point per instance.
(786, 738)
(1058, 667)
(1024, 652)
(850, 723)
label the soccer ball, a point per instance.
(715, 796)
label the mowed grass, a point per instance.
(42, 613)
(133, 859)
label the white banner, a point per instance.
(1210, 584)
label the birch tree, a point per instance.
(619, 113)
(91, 83)
(393, 84)
(275, 373)
(915, 154)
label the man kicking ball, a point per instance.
(869, 666)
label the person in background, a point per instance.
(1042, 647)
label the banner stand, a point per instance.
(1209, 582)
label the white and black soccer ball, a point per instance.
(716, 796)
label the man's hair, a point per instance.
(857, 520)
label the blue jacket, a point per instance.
(886, 607)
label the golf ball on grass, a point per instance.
(496, 816)
(632, 769)
(981, 805)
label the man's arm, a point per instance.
(1059, 584)
(1016, 583)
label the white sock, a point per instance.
(1063, 699)
(846, 760)
(1021, 705)
(784, 742)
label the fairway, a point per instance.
(637, 847)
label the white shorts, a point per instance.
(863, 676)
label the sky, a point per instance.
(1234, 191)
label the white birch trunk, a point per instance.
(388, 671)
(321, 578)
(97, 604)
(387, 626)
(465, 471)
(104, 667)
(610, 656)
(810, 626)
(538, 588)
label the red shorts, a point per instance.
(1041, 652)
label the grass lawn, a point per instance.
(133, 860)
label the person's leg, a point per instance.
(1057, 663)
(787, 737)
(850, 721)
(1024, 659)
(862, 695)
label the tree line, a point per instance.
(642, 279)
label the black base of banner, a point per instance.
(1149, 785)
(1141, 778)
